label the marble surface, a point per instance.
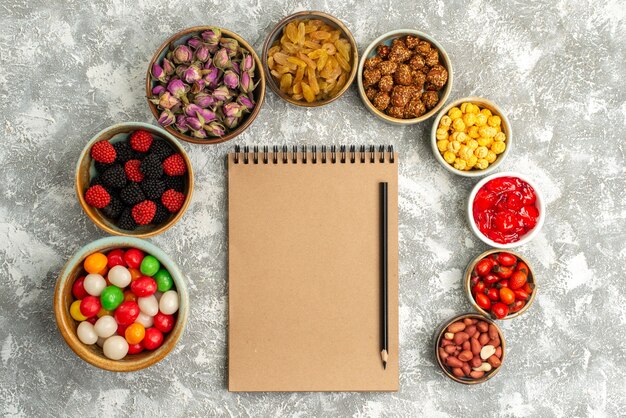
(71, 68)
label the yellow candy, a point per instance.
(471, 161)
(454, 146)
(487, 131)
(460, 164)
(491, 156)
(473, 132)
(455, 113)
(472, 143)
(481, 152)
(95, 263)
(442, 133)
(445, 121)
(494, 121)
(500, 136)
(443, 145)
(465, 152)
(449, 157)
(481, 119)
(464, 107)
(75, 311)
(469, 119)
(486, 112)
(459, 125)
(498, 147)
(482, 164)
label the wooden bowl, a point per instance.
(386, 39)
(259, 91)
(468, 277)
(277, 32)
(85, 171)
(466, 381)
(483, 104)
(93, 353)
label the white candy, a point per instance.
(86, 333)
(146, 320)
(119, 276)
(105, 326)
(115, 347)
(94, 284)
(169, 302)
(149, 305)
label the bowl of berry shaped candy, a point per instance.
(134, 179)
(121, 303)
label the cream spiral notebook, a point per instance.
(304, 269)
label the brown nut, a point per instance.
(386, 83)
(447, 342)
(437, 76)
(371, 77)
(487, 351)
(467, 321)
(475, 346)
(450, 349)
(400, 96)
(388, 67)
(494, 361)
(381, 101)
(414, 109)
(495, 343)
(458, 372)
(417, 62)
(419, 78)
(499, 352)
(396, 112)
(482, 326)
(466, 345)
(483, 339)
(432, 58)
(399, 52)
(475, 361)
(371, 92)
(430, 99)
(453, 362)
(411, 41)
(372, 63)
(403, 76)
(466, 369)
(423, 47)
(471, 330)
(383, 51)
(460, 337)
(476, 374)
(466, 355)
(493, 332)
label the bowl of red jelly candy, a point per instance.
(121, 304)
(506, 210)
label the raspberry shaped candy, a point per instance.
(141, 141)
(173, 200)
(143, 212)
(174, 165)
(97, 196)
(133, 173)
(103, 152)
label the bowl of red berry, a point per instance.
(134, 179)
(121, 304)
(506, 210)
(500, 284)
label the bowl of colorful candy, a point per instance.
(121, 304)
(205, 85)
(310, 58)
(471, 137)
(500, 284)
(506, 210)
(134, 179)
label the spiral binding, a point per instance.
(344, 155)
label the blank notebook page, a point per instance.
(304, 275)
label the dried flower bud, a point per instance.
(182, 54)
(204, 100)
(198, 86)
(166, 118)
(168, 67)
(247, 64)
(221, 94)
(212, 76)
(212, 35)
(180, 70)
(158, 90)
(231, 122)
(246, 84)
(230, 79)
(177, 88)
(158, 73)
(192, 74)
(236, 68)
(194, 123)
(191, 110)
(206, 116)
(194, 42)
(233, 109)
(201, 134)
(245, 101)
(221, 59)
(202, 53)
(167, 101)
(231, 45)
(181, 123)
(215, 129)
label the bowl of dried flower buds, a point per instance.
(310, 58)
(404, 77)
(205, 85)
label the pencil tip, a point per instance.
(385, 365)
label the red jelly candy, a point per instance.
(126, 313)
(116, 258)
(78, 288)
(163, 322)
(144, 286)
(90, 306)
(121, 330)
(135, 348)
(133, 258)
(153, 339)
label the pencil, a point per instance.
(384, 319)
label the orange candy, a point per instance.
(135, 333)
(134, 274)
(129, 296)
(104, 312)
(95, 263)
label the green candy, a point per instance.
(163, 280)
(111, 297)
(149, 266)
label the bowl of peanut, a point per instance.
(404, 77)
(471, 137)
(310, 58)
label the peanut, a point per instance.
(475, 362)
(449, 349)
(456, 327)
(454, 362)
(466, 345)
(482, 326)
(442, 354)
(493, 332)
(495, 343)
(494, 361)
(487, 351)
(466, 369)
(485, 367)
(470, 330)
(466, 355)
(448, 336)
(446, 343)
(499, 352)
(477, 374)
(460, 337)
(475, 346)
(458, 372)
(483, 339)
(467, 321)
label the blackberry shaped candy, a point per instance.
(114, 176)
(151, 166)
(102, 167)
(161, 149)
(175, 182)
(132, 194)
(114, 209)
(126, 220)
(123, 152)
(153, 188)
(161, 215)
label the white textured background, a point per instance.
(69, 69)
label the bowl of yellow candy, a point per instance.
(471, 137)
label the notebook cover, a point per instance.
(304, 276)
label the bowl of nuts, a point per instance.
(470, 349)
(471, 137)
(404, 77)
(310, 58)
